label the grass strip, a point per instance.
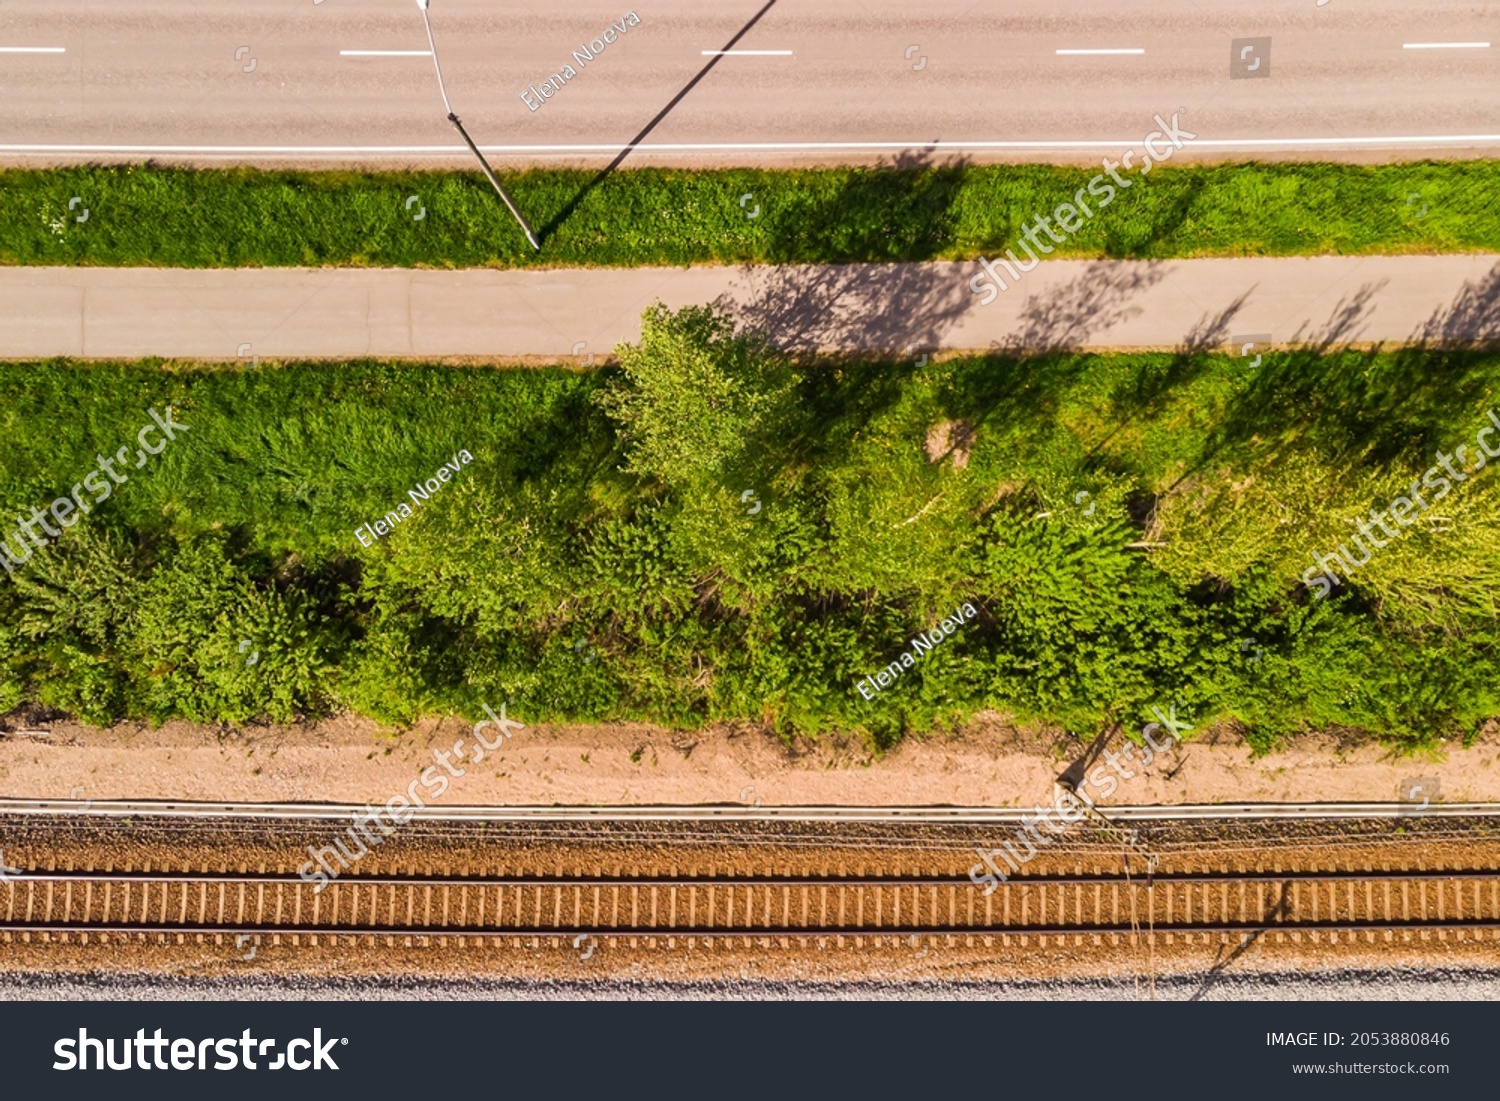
(155, 216)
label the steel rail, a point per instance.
(351, 879)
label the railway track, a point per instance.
(168, 872)
(1095, 903)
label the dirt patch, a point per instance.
(950, 439)
(988, 763)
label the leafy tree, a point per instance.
(695, 398)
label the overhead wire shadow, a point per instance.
(1247, 941)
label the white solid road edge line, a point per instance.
(39, 149)
(1445, 45)
(1086, 53)
(747, 53)
(33, 49)
(385, 53)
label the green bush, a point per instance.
(1131, 531)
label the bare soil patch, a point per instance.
(988, 763)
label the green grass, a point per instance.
(548, 576)
(241, 217)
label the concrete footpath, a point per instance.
(902, 309)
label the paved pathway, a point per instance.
(905, 308)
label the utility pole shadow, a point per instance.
(1072, 776)
(573, 204)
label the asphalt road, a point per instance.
(845, 80)
(566, 315)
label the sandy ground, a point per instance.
(989, 763)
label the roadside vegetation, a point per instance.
(710, 531)
(147, 215)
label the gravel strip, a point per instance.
(1396, 984)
